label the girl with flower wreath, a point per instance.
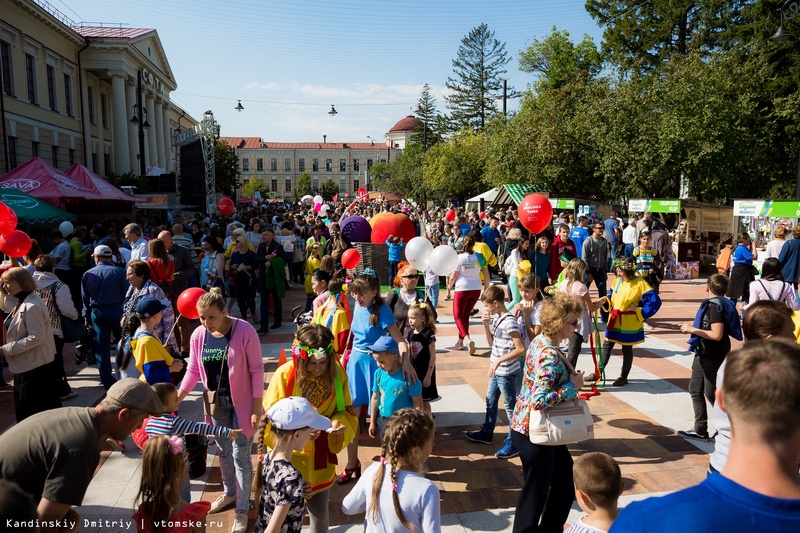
(315, 374)
(335, 315)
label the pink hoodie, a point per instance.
(245, 370)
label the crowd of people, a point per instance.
(364, 360)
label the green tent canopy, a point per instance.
(513, 193)
(32, 210)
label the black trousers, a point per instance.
(700, 389)
(547, 490)
(35, 391)
(627, 357)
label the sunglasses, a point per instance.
(596, 227)
(573, 323)
(410, 276)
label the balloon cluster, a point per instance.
(13, 242)
(421, 255)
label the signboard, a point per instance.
(655, 205)
(717, 220)
(766, 208)
(562, 203)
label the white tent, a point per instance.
(487, 197)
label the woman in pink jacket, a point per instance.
(225, 354)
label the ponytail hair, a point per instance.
(426, 310)
(362, 285)
(159, 488)
(124, 350)
(469, 243)
(407, 429)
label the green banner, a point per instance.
(655, 205)
(562, 203)
(766, 208)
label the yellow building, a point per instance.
(69, 93)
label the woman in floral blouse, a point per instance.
(547, 380)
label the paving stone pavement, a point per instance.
(635, 424)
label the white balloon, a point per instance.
(324, 208)
(66, 228)
(443, 260)
(418, 252)
(318, 199)
(307, 198)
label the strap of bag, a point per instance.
(54, 287)
(507, 315)
(766, 291)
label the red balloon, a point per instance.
(8, 219)
(225, 206)
(15, 243)
(482, 214)
(187, 302)
(450, 215)
(535, 212)
(351, 258)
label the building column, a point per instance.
(119, 122)
(158, 160)
(133, 129)
(168, 140)
(87, 127)
(152, 148)
(101, 157)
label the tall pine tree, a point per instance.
(431, 120)
(476, 81)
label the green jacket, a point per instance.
(79, 257)
(275, 276)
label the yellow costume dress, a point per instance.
(335, 320)
(632, 302)
(311, 265)
(317, 461)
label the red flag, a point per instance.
(335, 197)
(347, 195)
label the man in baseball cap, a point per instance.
(53, 455)
(102, 251)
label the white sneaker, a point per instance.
(221, 503)
(239, 523)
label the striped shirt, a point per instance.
(172, 424)
(502, 326)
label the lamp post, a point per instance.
(140, 120)
(388, 147)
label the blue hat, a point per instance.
(385, 344)
(147, 307)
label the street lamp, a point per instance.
(140, 120)
(333, 111)
(782, 35)
(239, 106)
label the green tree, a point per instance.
(557, 61)
(226, 167)
(431, 120)
(455, 169)
(476, 81)
(380, 174)
(255, 184)
(303, 186)
(328, 189)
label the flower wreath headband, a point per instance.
(305, 353)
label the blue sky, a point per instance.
(289, 61)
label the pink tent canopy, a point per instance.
(47, 183)
(86, 178)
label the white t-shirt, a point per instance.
(469, 273)
(774, 248)
(514, 258)
(535, 321)
(419, 500)
(580, 527)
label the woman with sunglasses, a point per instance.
(547, 379)
(405, 294)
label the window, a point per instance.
(273, 164)
(30, 74)
(55, 156)
(383, 160)
(355, 185)
(356, 166)
(287, 164)
(342, 184)
(259, 165)
(91, 106)
(68, 94)
(94, 162)
(103, 117)
(34, 149)
(245, 164)
(329, 165)
(315, 165)
(5, 62)
(71, 157)
(51, 88)
(12, 152)
(369, 164)
(288, 184)
(107, 162)
(315, 184)
(301, 164)
(342, 165)
(274, 185)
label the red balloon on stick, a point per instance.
(535, 212)
(187, 302)
(225, 207)
(450, 215)
(482, 214)
(15, 243)
(351, 258)
(8, 219)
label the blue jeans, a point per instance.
(508, 386)
(392, 272)
(234, 457)
(433, 294)
(599, 277)
(612, 254)
(105, 322)
(628, 250)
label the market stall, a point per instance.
(684, 259)
(761, 217)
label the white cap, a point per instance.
(295, 412)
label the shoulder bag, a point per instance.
(564, 423)
(211, 398)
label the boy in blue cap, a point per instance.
(390, 392)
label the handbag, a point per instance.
(564, 423)
(211, 398)
(71, 330)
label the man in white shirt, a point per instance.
(630, 237)
(133, 234)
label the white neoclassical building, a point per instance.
(69, 93)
